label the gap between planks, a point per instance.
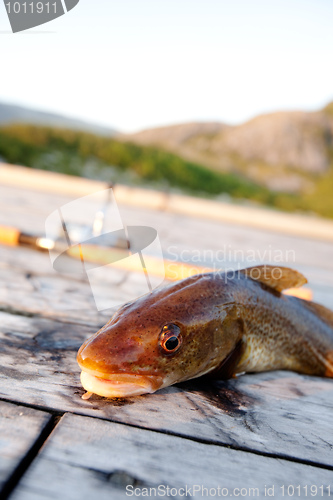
(57, 416)
(31, 454)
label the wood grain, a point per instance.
(279, 413)
(86, 457)
(252, 428)
(29, 285)
(19, 429)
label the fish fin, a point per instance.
(228, 367)
(326, 360)
(329, 366)
(276, 277)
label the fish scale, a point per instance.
(217, 324)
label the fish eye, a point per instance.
(170, 339)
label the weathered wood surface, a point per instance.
(87, 457)
(181, 237)
(29, 285)
(279, 413)
(233, 213)
(45, 316)
(20, 427)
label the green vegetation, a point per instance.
(84, 154)
(321, 199)
(328, 109)
(112, 160)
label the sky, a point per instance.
(133, 64)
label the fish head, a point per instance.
(167, 336)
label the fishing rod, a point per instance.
(111, 248)
(15, 237)
(112, 251)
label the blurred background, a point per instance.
(218, 99)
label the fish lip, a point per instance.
(119, 384)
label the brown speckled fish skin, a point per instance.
(284, 332)
(218, 315)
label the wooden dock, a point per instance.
(258, 436)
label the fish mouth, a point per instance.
(119, 385)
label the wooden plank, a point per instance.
(279, 413)
(28, 284)
(19, 429)
(182, 237)
(86, 457)
(238, 214)
(28, 210)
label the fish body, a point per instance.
(215, 325)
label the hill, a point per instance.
(105, 158)
(284, 160)
(10, 113)
(285, 151)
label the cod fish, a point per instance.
(214, 325)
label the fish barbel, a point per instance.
(217, 325)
